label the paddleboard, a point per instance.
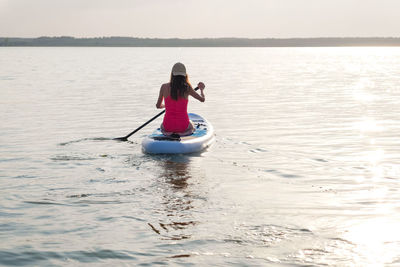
(203, 137)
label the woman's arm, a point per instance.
(159, 103)
(200, 97)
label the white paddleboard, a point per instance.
(203, 137)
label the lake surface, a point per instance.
(304, 171)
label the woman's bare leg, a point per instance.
(164, 132)
(189, 130)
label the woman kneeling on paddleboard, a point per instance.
(175, 95)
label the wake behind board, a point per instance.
(203, 136)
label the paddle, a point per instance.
(125, 138)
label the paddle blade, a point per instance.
(123, 139)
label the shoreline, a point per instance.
(66, 41)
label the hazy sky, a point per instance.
(200, 18)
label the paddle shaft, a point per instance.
(152, 119)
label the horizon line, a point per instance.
(197, 38)
(121, 41)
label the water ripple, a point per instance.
(38, 257)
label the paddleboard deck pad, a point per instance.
(203, 136)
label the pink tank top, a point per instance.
(176, 118)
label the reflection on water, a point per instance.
(176, 173)
(177, 199)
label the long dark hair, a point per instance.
(179, 86)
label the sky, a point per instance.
(200, 18)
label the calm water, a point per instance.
(304, 171)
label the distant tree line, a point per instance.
(204, 42)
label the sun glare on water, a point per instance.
(375, 240)
(369, 125)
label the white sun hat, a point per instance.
(179, 69)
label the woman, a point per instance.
(175, 95)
